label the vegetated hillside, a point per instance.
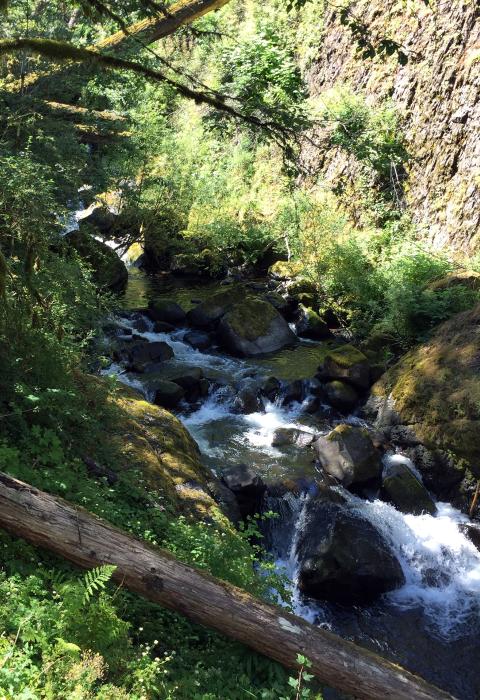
(436, 94)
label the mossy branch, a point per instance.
(64, 51)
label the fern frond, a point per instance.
(95, 580)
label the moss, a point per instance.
(109, 272)
(436, 389)
(156, 445)
(347, 356)
(285, 270)
(251, 318)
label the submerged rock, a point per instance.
(347, 364)
(199, 340)
(342, 557)
(407, 493)
(253, 327)
(348, 454)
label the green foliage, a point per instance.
(371, 135)
(95, 580)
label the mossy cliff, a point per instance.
(437, 95)
(432, 396)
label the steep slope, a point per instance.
(437, 94)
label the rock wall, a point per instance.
(438, 95)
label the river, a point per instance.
(430, 624)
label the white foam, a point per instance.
(440, 564)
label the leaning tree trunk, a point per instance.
(145, 32)
(88, 541)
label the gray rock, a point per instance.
(199, 340)
(310, 325)
(209, 312)
(145, 353)
(347, 364)
(168, 394)
(292, 436)
(342, 557)
(402, 488)
(348, 454)
(248, 487)
(271, 388)
(167, 311)
(253, 327)
(341, 396)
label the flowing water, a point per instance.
(430, 624)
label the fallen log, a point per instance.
(88, 541)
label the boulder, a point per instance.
(347, 364)
(253, 327)
(283, 270)
(167, 311)
(341, 396)
(401, 487)
(271, 388)
(144, 353)
(294, 392)
(199, 340)
(248, 487)
(248, 399)
(292, 436)
(285, 306)
(310, 325)
(348, 454)
(168, 394)
(208, 313)
(108, 271)
(435, 391)
(342, 557)
(163, 327)
(193, 383)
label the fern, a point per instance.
(95, 580)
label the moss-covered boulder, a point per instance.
(434, 390)
(348, 364)
(401, 487)
(310, 325)
(209, 312)
(253, 327)
(109, 272)
(349, 455)
(283, 270)
(159, 452)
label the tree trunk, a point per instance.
(152, 29)
(88, 541)
(146, 31)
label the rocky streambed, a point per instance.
(371, 552)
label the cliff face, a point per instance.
(437, 95)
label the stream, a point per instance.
(430, 624)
